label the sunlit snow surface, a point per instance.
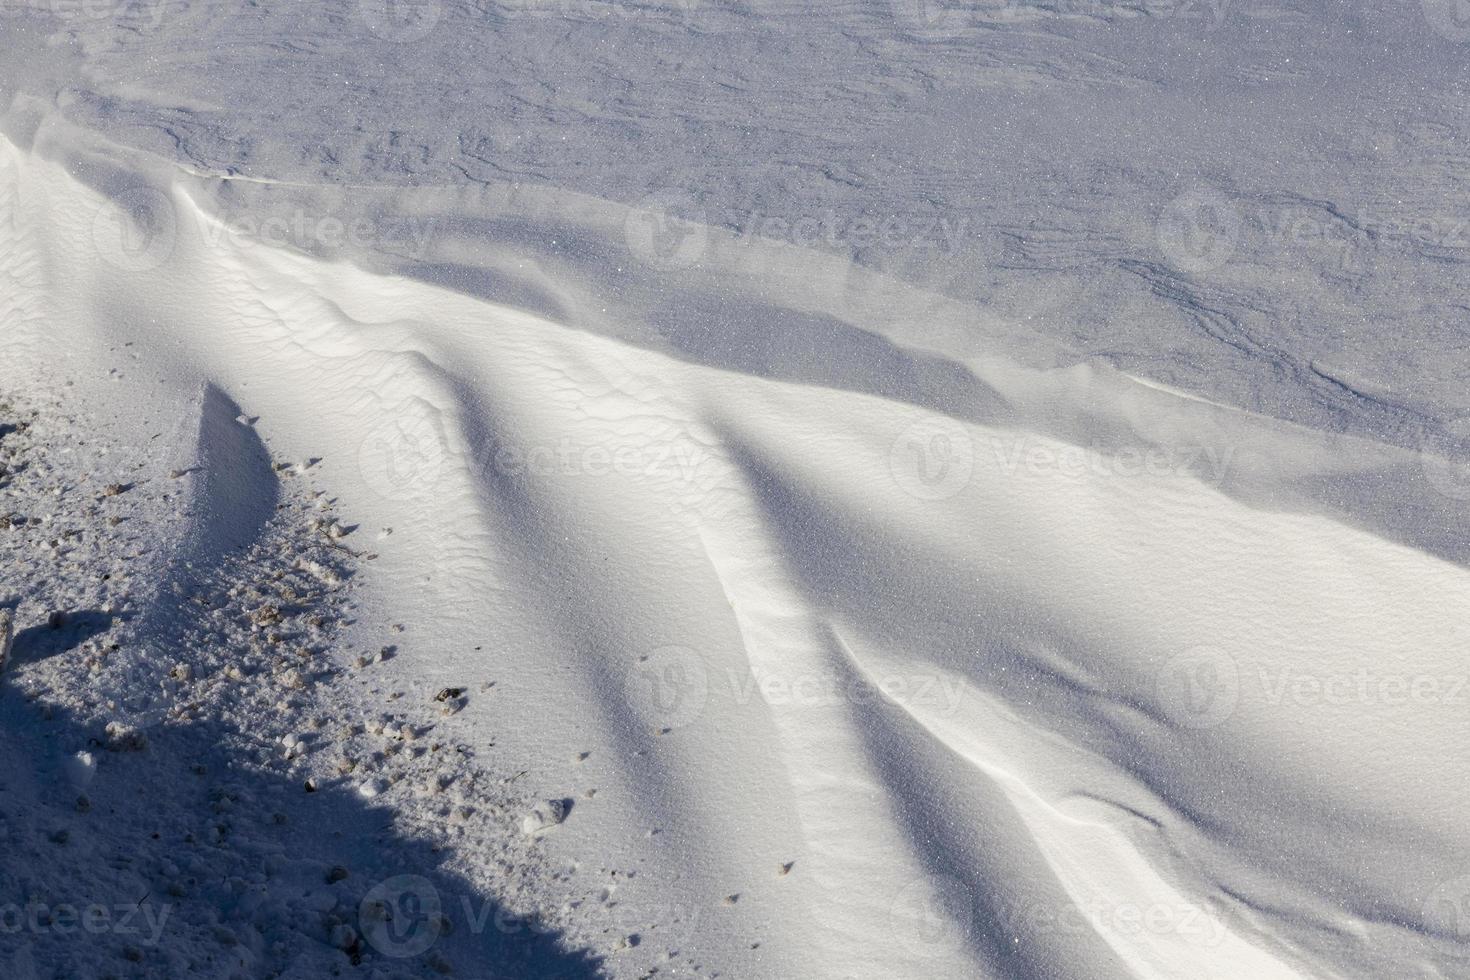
(943, 489)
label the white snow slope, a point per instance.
(943, 490)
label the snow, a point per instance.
(876, 489)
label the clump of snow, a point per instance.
(545, 815)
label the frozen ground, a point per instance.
(869, 489)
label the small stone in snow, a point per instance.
(266, 616)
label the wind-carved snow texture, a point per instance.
(970, 146)
(229, 495)
(879, 488)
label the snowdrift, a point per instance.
(892, 640)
